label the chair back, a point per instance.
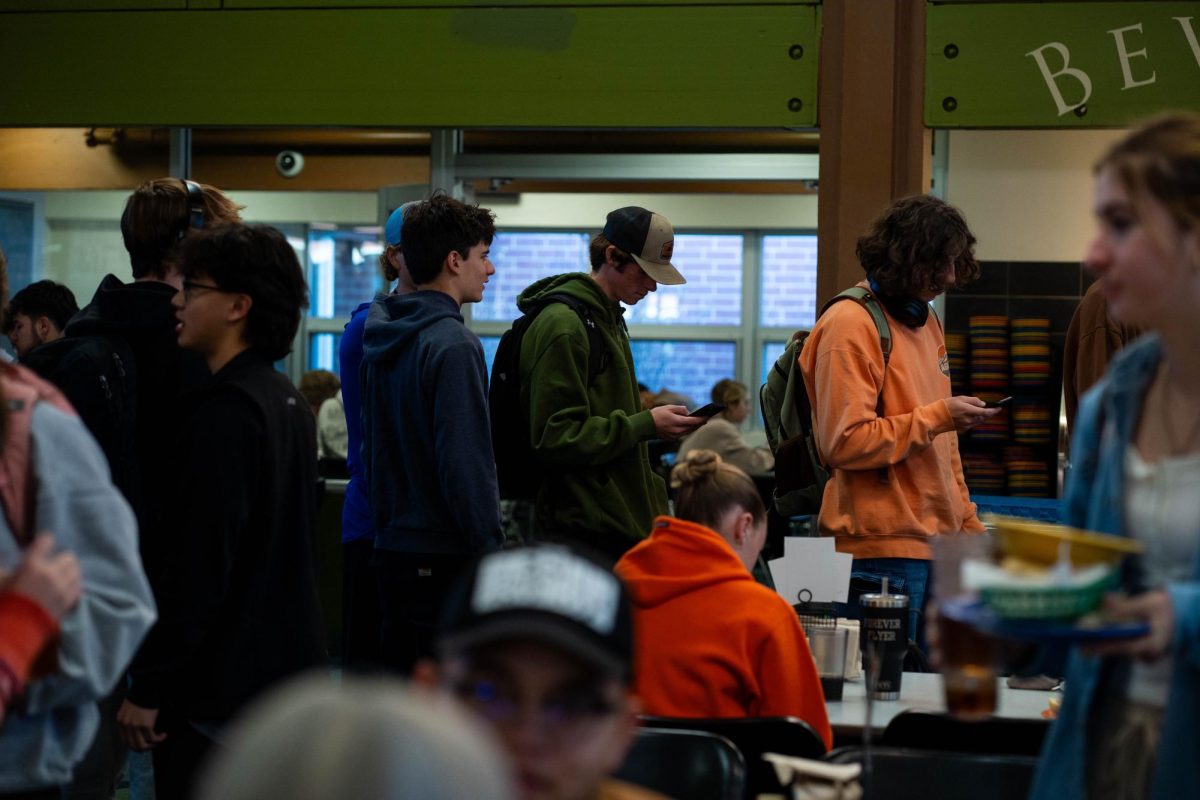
(754, 736)
(687, 765)
(922, 730)
(901, 773)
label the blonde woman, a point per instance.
(721, 434)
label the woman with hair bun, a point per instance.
(711, 641)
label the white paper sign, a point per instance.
(812, 564)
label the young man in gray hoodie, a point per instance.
(427, 445)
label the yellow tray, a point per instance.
(1038, 542)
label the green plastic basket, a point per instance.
(1046, 603)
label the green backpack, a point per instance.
(800, 475)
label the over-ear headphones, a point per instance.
(195, 202)
(912, 311)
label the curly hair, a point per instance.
(1162, 159)
(706, 488)
(910, 243)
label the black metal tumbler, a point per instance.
(884, 641)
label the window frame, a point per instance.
(748, 338)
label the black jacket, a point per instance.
(238, 610)
(141, 313)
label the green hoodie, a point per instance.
(599, 488)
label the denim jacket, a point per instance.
(1095, 499)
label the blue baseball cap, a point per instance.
(391, 229)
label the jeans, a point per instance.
(908, 576)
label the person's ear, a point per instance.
(239, 307)
(453, 263)
(743, 528)
(44, 327)
(611, 259)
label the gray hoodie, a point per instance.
(44, 739)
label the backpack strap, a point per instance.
(867, 300)
(21, 390)
(598, 354)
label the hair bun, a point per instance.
(698, 465)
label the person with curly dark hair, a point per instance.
(889, 429)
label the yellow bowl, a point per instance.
(1038, 542)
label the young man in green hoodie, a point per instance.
(590, 436)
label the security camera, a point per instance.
(289, 163)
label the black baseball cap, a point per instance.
(547, 593)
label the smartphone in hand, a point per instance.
(708, 410)
(1002, 403)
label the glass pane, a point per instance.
(789, 281)
(770, 352)
(522, 258)
(343, 269)
(712, 264)
(490, 343)
(689, 368)
(323, 352)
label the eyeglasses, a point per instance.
(557, 715)
(189, 287)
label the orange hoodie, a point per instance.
(924, 493)
(711, 642)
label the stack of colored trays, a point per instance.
(1033, 423)
(956, 352)
(1028, 478)
(989, 355)
(1030, 353)
(984, 473)
(989, 372)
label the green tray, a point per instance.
(1046, 603)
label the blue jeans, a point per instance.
(908, 576)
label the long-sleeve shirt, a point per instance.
(897, 479)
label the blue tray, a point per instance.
(973, 612)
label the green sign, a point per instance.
(1051, 65)
(554, 65)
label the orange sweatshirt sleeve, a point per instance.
(844, 375)
(788, 676)
(26, 628)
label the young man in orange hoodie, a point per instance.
(889, 431)
(711, 641)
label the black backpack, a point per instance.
(800, 475)
(98, 374)
(517, 469)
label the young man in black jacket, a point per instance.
(239, 610)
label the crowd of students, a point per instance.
(156, 592)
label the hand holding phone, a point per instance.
(999, 403)
(708, 410)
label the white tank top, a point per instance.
(1162, 510)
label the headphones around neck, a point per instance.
(912, 311)
(195, 202)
